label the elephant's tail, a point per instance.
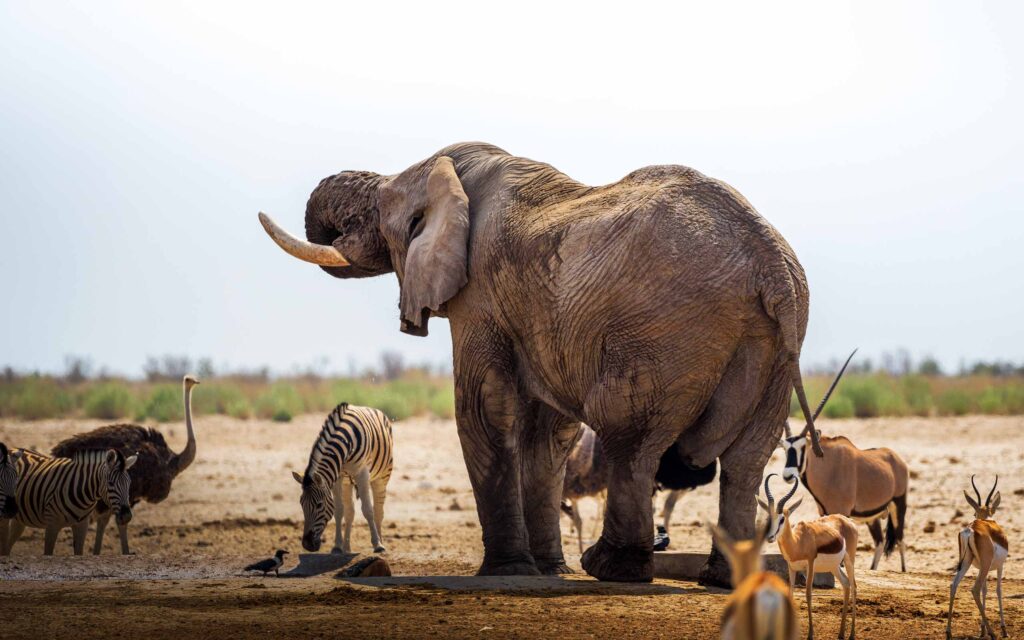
(780, 302)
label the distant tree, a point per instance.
(77, 369)
(166, 368)
(392, 365)
(929, 366)
(205, 369)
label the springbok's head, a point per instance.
(8, 481)
(777, 513)
(795, 447)
(744, 556)
(984, 511)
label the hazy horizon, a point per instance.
(140, 141)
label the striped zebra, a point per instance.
(54, 493)
(354, 445)
(8, 487)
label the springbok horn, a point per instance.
(321, 254)
(828, 394)
(992, 492)
(768, 491)
(785, 498)
(976, 492)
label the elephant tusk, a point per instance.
(320, 254)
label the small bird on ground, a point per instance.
(661, 539)
(270, 564)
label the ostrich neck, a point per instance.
(186, 457)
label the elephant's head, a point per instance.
(416, 223)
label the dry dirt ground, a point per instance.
(238, 503)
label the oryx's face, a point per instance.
(317, 509)
(119, 486)
(8, 482)
(795, 449)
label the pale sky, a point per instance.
(138, 141)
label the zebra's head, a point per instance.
(8, 481)
(317, 508)
(119, 485)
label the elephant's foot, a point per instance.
(619, 564)
(554, 567)
(715, 572)
(518, 566)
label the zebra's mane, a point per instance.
(326, 432)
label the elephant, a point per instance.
(661, 310)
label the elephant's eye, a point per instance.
(416, 225)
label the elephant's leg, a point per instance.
(625, 550)
(489, 416)
(545, 445)
(751, 402)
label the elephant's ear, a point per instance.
(436, 262)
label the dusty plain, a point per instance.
(238, 503)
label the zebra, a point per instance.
(354, 446)
(8, 487)
(55, 492)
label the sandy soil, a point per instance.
(238, 503)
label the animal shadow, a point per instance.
(314, 564)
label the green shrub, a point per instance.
(109, 401)
(442, 404)
(165, 404)
(279, 400)
(954, 402)
(239, 409)
(917, 392)
(839, 406)
(40, 399)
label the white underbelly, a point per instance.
(999, 556)
(823, 563)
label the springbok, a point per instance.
(983, 544)
(864, 484)
(586, 474)
(760, 606)
(817, 546)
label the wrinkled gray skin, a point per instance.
(660, 309)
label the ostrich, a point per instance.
(586, 474)
(152, 474)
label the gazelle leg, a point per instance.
(841, 577)
(810, 587)
(978, 590)
(851, 559)
(792, 581)
(875, 528)
(965, 564)
(999, 597)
